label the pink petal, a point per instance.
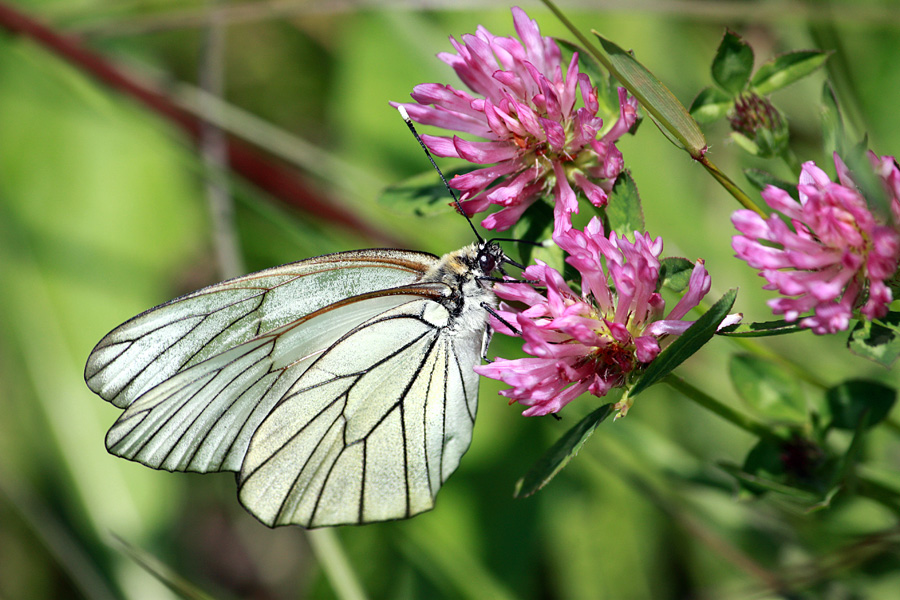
(506, 218)
(482, 153)
(565, 204)
(595, 194)
(698, 287)
(440, 146)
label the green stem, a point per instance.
(730, 186)
(746, 423)
(333, 561)
(578, 35)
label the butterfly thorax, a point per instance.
(468, 292)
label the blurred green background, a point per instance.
(103, 213)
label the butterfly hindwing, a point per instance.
(372, 437)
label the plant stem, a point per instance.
(730, 186)
(333, 561)
(746, 423)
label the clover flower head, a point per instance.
(594, 339)
(525, 105)
(835, 256)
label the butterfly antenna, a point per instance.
(459, 207)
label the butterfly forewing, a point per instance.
(156, 344)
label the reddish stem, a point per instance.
(264, 171)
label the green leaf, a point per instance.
(763, 144)
(559, 455)
(844, 467)
(654, 97)
(421, 195)
(796, 467)
(536, 225)
(825, 501)
(687, 344)
(876, 341)
(760, 179)
(767, 388)
(786, 69)
(624, 210)
(833, 132)
(760, 329)
(674, 273)
(850, 400)
(732, 64)
(710, 105)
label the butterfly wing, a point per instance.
(368, 436)
(340, 388)
(153, 346)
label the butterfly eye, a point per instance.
(487, 263)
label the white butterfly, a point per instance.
(340, 388)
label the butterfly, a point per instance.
(339, 389)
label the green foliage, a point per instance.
(711, 104)
(675, 273)
(804, 463)
(758, 127)
(559, 454)
(763, 329)
(624, 211)
(536, 225)
(103, 214)
(860, 402)
(785, 69)
(878, 341)
(421, 195)
(607, 92)
(835, 138)
(732, 64)
(760, 179)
